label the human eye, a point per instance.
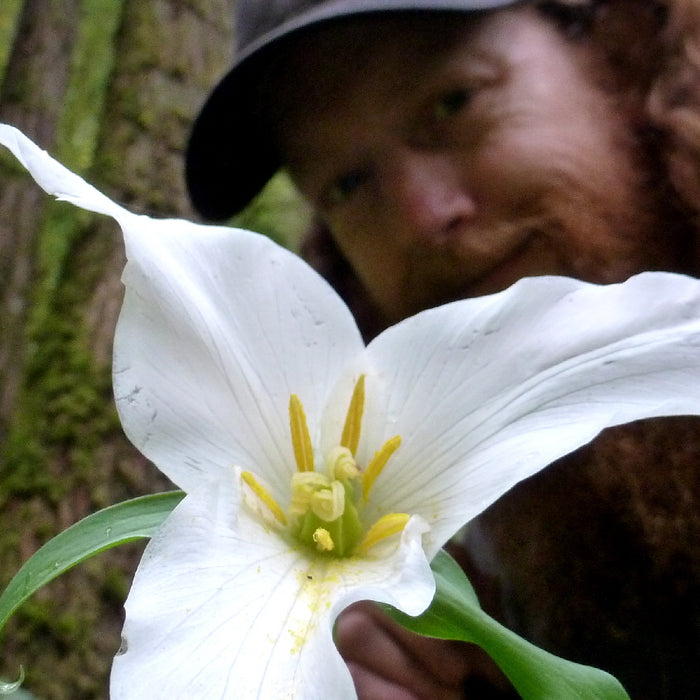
(451, 102)
(345, 186)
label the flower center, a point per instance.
(325, 507)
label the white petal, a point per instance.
(219, 326)
(53, 177)
(222, 608)
(486, 392)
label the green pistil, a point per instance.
(345, 531)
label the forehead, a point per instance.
(327, 68)
(363, 65)
(359, 47)
(351, 82)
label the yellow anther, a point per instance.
(263, 494)
(375, 467)
(353, 420)
(301, 439)
(323, 540)
(386, 526)
(329, 504)
(340, 464)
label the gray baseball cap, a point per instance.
(230, 156)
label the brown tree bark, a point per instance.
(35, 84)
(62, 452)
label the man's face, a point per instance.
(452, 156)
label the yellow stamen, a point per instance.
(301, 439)
(386, 526)
(323, 540)
(353, 420)
(263, 494)
(375, 467)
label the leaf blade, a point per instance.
(118, 524)
(535, 673)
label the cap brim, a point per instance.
(230, 156)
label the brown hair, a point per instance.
(653, 47)
(673, 102)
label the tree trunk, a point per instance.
(110, 87)
(34, 90)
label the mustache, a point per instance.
(472, 251)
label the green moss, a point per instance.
(65, 413)
(115, 586)
(278, 212)
(66, 407)
(41, 616)
(9, 16)
(91, 68)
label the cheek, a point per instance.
(361, 248)
(533, 158)
(548, 130)
(585, 186)
(537, 158)
(379, 265)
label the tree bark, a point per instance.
(34, 88)
(62, 452)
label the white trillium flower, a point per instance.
(318, 471)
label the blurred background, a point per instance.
(110, 88)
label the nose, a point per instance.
(426, 196)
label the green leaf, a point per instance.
(112, 526)
(12, 688)
(536, 674)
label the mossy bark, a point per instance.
(111, 88)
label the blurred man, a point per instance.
(449, 149)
